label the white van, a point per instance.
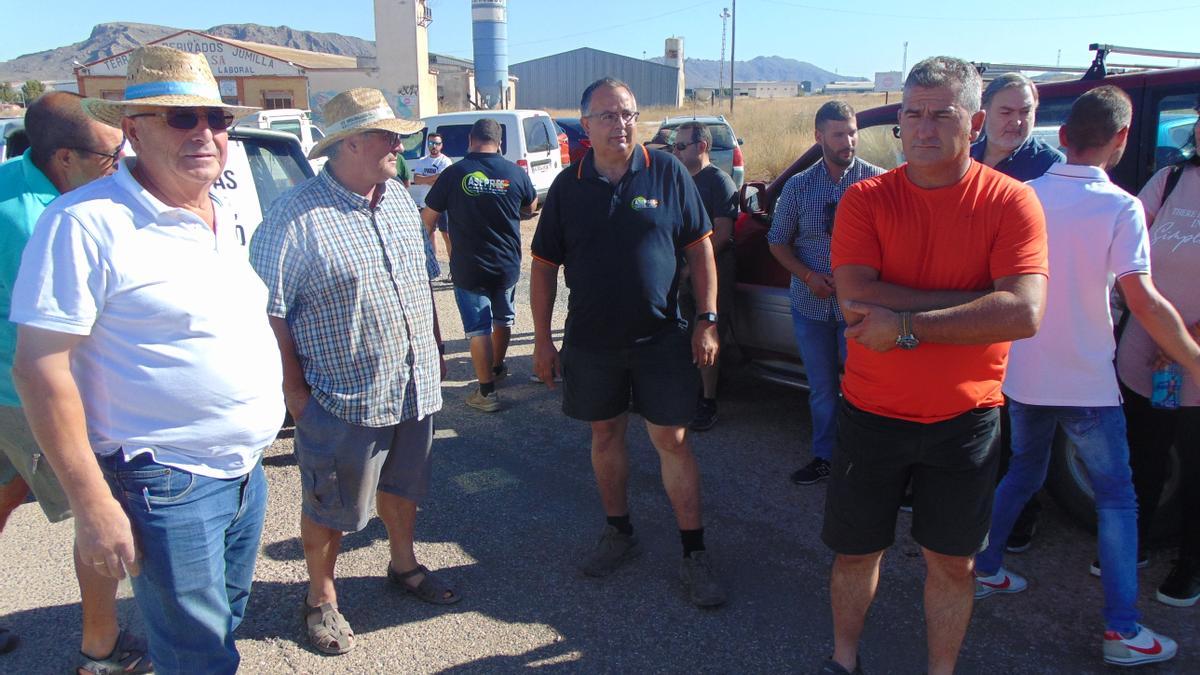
(529, 138)
(289, 120)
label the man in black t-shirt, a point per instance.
(619, 224)
(692, 143)
(485, 195)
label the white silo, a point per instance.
(673, 56)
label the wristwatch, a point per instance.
(906, 339)
(710, 317)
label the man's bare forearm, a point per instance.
(1160, 319)
(704, 276)
(543, 289)
(1013, 311)
(293, 373)
(787, 258)
(903, 299)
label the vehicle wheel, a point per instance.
(1068, 483)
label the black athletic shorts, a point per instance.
(657, 378)
(952, 465)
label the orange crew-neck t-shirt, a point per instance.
(959, 237)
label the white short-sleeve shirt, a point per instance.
(1096, 233)
(179, 358)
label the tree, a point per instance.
(31, 90)
(7, 95)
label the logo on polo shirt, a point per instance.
(640, 203)
(477, 183)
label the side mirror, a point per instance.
(741, 142)
(749, 198)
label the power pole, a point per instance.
(721, 67)
(904, 62)
(732, 47)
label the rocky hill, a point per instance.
(112, 38)
(705, 72)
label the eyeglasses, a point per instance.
(112, 157)
(186, 120)
(435, 142)
(626, 117)
(680, 147)
(390, 137)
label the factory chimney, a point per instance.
(489, 29)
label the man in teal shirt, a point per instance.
(67, 149)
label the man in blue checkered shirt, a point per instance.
(344, 260)
(799, 238)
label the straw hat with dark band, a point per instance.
(166, 77)
(357, 110)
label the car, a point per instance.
(564, 145)
(726, 151)
(1164, 102)
(12, 137)
(529, 138)
(577, 138)
(294, 121)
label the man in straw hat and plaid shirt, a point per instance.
(343, 256)
(149, 375)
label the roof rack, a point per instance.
(1100, 68)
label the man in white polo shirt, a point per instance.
(1064, 377)
(150, 377)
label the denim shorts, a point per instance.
(483, 308)
(951, 464)
(342, 465)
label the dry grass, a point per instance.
(775, 131)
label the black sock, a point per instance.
(486, 388)
(693, 540)
(621, 523)
(496, 369)
(709, 401)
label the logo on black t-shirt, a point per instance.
(641, 202)
(477, 183)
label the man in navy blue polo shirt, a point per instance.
(619, 224)
(1008, 144)
(485, 196)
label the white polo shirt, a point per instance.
(179, 360)
(1096, 233)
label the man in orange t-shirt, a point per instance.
(939, 264)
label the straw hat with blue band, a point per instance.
(160, 76)
(357, 110)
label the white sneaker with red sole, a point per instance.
(1145, 647)
(1002, 581)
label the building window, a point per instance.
(273, 100)
(112, 94)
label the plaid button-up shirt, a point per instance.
(803, 219)
(351, 282)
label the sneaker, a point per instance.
(489, 403)
(1000, 582)
(701, 583)
(1142, 561)
(706, 416)
(613, 550)
(1019, 542)
(831, 667)
(814, 472)
(1182, 586)
(1144, 647)
(906, 502)
(534, 378)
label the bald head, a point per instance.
(68, 146)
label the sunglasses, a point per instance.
(390, 137)
(111, 157)
(435, 142)
(186, 120)
(680, 147)
(830, 212)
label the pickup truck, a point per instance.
(1164, 100)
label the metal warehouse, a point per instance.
(557, 81)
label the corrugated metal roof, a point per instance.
(300, 57)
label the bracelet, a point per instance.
(808, 276)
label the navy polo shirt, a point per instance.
(620, 247)
(483, 194)
(1027, 162)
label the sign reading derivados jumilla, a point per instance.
(226, 60)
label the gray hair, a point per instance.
(1008, 81)
(947, 71)
(585, 103)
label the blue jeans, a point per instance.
(198, 538)
(1099, 436)
(823, 350)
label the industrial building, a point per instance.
(766, 89)
(557, 81)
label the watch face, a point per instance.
(907, 342)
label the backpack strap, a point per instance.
(1172, 181)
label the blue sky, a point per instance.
(853, 38)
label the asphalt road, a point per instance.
(513, 507)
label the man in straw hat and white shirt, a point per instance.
(343, 256)
(148, 373)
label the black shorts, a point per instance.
(952, 465)
(658, 378)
